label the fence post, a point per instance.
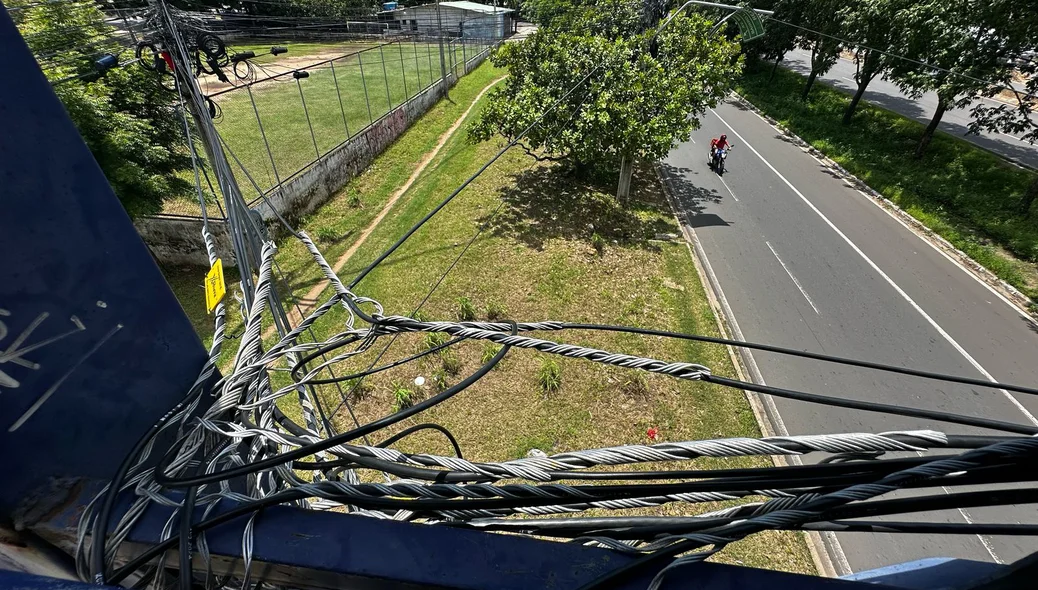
(364, 85)
(464, 55)
(428, 54)
(417, 66)
(386, 76)
(263, 133)
(403, 69)
(339, 96)
(306, 112)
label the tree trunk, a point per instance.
(1029, 197)
(930, 129)
(810, 82)
(773, 68)
(623, 189)
(863, 83)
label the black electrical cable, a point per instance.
(823, 505)
(792, 394)
(806, 354)
(99, 532)
(872, 406)
(160, 470)
(748, 474)
(512, 143)
(997, 497)
(185, 577)
(453, 476)
(295, 371)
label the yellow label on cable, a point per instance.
(214, 286)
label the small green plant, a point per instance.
(403, 397)
(489, 350)
(466, 310)
(420, 316)
(451, 362)
(354, 200)
(326, 234)
(359, 388)
(549, 376)
(439, 380)
(598, 243)
(434, 339)
(495, 311)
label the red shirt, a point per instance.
(717, 143)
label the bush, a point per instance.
(434, 339)
(549, 376)
(326, 234)
(451, 362)
(598, 243)
(495, 311)
(403, 397)
(360, 388)
(127, 119)
(439, 380)
(466, 310)
(489, 350)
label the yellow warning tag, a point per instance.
(214, 286)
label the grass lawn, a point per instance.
(964, 193)
(536, 261)
(341, 98)
(336, 224)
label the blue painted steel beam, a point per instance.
(94, 347)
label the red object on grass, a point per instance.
(653, 433)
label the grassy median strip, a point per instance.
(336, 224)
(967, 195)
(553, 248)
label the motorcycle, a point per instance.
(717, 160)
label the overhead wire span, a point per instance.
(243, 435)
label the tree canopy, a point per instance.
(126, 118)
(630, 105)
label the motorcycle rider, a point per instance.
(716, 145)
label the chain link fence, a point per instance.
(280, 116)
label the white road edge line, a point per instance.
(730, 191)
(885, 277)
(893, 215)
(771, 419)
(795, 281)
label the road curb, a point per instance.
(823, 551)
(979, 271)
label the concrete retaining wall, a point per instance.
(179, 241)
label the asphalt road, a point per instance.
(807, 262)
(887, 95)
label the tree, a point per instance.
(968, 47)
(872, 26)
(1017, 119)
(126, 118)
(779, 39)
(634, 105)
(820, 16)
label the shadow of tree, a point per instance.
(546, 202)
(690, 199)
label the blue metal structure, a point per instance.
(93, 345)
(94, 349)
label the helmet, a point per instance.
(723, 137)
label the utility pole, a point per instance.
(443, 62)
(245, 227)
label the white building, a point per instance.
(459, 19)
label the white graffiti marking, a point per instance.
(15, 352)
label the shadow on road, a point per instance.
(691, 199)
